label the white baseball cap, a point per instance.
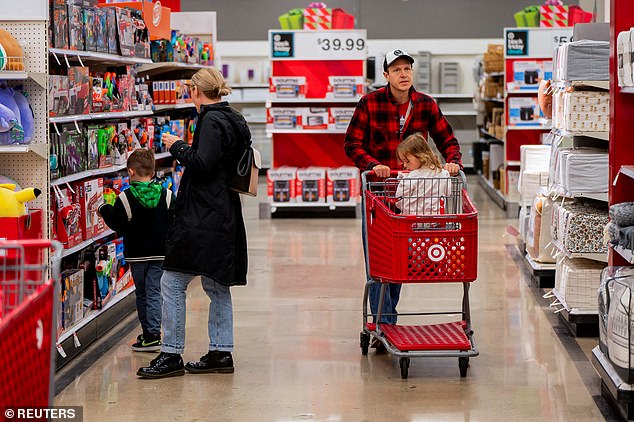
(392, 55)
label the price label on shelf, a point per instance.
(318, 45)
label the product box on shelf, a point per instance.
(90, 194)
(125, 31)
(288, 87)
(625, 58)
(58, 101)
(157, 18)
(310, 185)
(281, 184)
(527, 74)
(90, 35)
(339, 117)
(79, 90)
(60, 25)
(524, 111)
(92, 147)
(101, 29)
(75, 27)
(105, 265)
(315, 118)
(345, 87)
(122, 274)
(72, 150)
(284, 118)
(67, 216)
(342, 185)
(27, 226)
(72, 297)
(113, 45)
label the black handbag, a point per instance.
(245, 181)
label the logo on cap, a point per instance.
(397, 52)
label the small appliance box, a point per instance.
(345, 87)
(342, 185)
(340, 117)
(288, 87)
(281, 184)
(284, 118)
(528, 74)
(524, 111)
(310, 185)
(90, 193)
(315, 118)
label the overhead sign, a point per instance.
(534, 42)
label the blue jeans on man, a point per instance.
(147, 283)
(392, 294)
(220, 321)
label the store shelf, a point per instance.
(493, 74)
(248, 85)
(627, 90)
(311, 100)
(627, 171)
(86, 243)
(619, 389)
(307, 131)
(584, 84)
(162, 155)
(168, 67)
(41, 150)
(495, 194)
(497, 100)
(542, 274)
(540, 127)
(462, 96)
(94, 57)
(573, 311)
(167, 107)
(522, 91)
(558, 193)
(39, 77)
(490, 137)
(602, 257)
(627, 254)
(100, 116)
(605, 136)
(580, 322)
(460, 113)
(513, 163)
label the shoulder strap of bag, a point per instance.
(126, 204)
(168, 198)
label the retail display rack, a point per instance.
(621, 167)
(317, 77)
(528, 54)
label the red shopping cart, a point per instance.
(27, 328)
(424, 233)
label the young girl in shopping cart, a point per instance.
(424, 189)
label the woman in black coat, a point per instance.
(207, 237)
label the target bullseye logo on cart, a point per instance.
(436, 252)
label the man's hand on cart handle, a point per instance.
(381, 170)
(452, 168)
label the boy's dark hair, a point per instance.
(142, 162)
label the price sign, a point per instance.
(318, 45)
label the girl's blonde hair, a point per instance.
(211, 83)
(417, 145)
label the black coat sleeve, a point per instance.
(115, 216)
(206, 156)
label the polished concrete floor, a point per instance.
(297, 352)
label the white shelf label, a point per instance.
(318, 45)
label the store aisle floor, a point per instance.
(297, 350)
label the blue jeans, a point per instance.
(147, 282)
(392, 294)
(220, 321)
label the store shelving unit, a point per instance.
(621, 159)
(315, 59)
(543, 274)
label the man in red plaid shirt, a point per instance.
(381, 120)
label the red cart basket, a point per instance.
(27, 321)
(419, 230)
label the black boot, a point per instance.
(213, 362)
(164, 365)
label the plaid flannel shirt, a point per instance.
(374, 131)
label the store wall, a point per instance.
(240, 20)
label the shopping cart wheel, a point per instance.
(463, 364)
(365, 343)
(404, 367)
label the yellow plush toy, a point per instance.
(12, 203)
(11, 55)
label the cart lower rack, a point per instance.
(418, 231)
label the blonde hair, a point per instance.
(417, 145)
(211, 83)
